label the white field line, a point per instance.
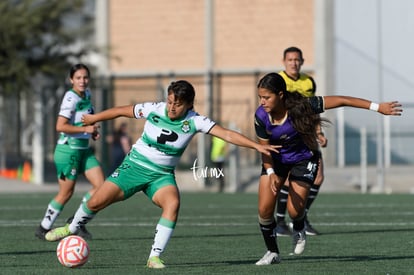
(147, 222)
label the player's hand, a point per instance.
(393, 108)
(96, 135)
(92, 129)
(267, 149)
(88, 119)
(275, 184)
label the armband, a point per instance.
(374, 107)
(270, 171)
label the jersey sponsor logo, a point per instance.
(156, 118)
(82, 105)
(167, 135)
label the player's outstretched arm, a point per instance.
(125, 111)
(393, 108)
(241, 140)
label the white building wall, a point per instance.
(373, 42)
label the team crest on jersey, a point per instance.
(186, 126)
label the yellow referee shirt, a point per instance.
(305, 85)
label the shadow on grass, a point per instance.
(302, 259)
(369, 231)
(21, 253)
(186, 236)
(351, 258)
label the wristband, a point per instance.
(270, 171)
(374, 107)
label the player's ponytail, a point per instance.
(303, 118)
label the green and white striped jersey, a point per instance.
(73, 107)
(163, 140)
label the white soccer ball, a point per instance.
(72, 251)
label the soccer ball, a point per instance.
(72, 251)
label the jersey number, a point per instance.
(167, 135)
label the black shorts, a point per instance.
(304, 170)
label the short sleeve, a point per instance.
(203, 124)
(68, 105)
(260, 128)
(317, 104)
(142, 110)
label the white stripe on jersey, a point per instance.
(185, 129)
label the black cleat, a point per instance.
(310, 231)
(282, 230)
(82, 232)
(41, 232)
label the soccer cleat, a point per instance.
(83, 232)
(299, 241)
(282, 230)
(155, 262)
(310, 230)
(269, 258)
(58, 233)
(41, 232)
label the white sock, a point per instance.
(162, 236)
(82, 216)
(86, 197)
(52, 212)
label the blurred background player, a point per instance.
(305, 85)
(120, 145)
(218, 156)
(73, 155)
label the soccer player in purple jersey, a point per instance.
(289, 119)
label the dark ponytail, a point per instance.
(303, 118)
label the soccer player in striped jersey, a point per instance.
(73, 155)
(149, 167)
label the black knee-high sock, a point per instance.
(269, 236)
(282, 203)
(299, 224)
(313, 193)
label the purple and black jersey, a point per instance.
(293, 148)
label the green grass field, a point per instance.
(217, 234)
